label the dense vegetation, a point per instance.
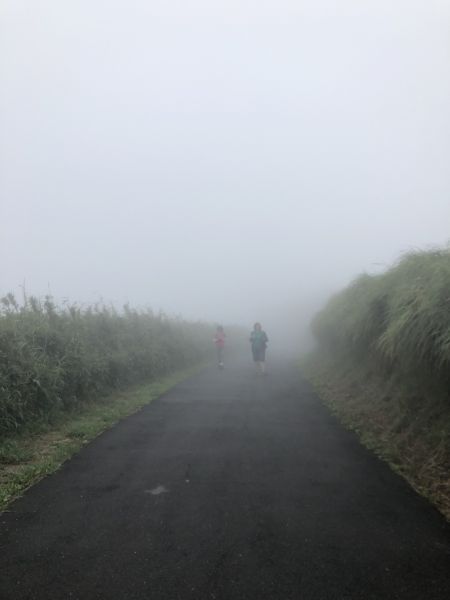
(383, 366)
(53, 359)
(398, 321)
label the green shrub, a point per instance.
(52, 358)
(400, 320)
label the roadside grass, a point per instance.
(397, 322)
(383, 366)
(43, 448)
(56, 358)
(407, 430)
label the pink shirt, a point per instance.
(219, 339)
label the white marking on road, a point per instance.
(160, 489)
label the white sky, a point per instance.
(223, 160)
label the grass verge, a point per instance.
(30, 456)
(411, 433)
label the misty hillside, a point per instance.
(400, 321)
(383, 365)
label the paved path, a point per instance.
(230, 487)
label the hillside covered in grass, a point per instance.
(52, 358)
(399, 320)
(383, 365)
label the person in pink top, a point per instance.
(219, 340)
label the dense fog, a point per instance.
(228, 161)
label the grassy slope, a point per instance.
(383, 366)
(413, 436)
(398, 321)
(30, 456)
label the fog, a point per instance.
(230, 161)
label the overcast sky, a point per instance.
(219, 159)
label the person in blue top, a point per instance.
(258, 341)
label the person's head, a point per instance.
(257, 326)
(219, 329)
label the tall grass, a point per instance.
(398, 321)
(53, 358)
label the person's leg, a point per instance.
(258, 360)
(263, 361)
(255, 359)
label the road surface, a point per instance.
(229, 487)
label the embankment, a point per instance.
(383, 366)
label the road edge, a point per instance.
(34, 457)
(374, 412)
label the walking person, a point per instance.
(219, 340)
(258, 340)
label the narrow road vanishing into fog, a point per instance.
(230, 487)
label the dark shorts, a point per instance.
(259, 354)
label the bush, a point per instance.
(400, 320)
(54, 358)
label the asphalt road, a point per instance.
(229, 487)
